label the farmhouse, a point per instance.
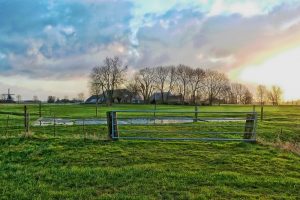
(167, 97)
(119, 96)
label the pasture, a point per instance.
(78, 163)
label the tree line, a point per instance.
(192, 85)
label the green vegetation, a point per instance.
(69, 167)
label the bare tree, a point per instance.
(196, 79)
(247, 96)
(145, 79)
(262, 94)
(80, 96)
(225, 95)
(214, 83)
(133, 88)
(237, 92)
(183, 76)
(108, 77)
(161, 75)
(171, 80)
(275, 95)
(51, 99)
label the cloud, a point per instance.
(63, 40)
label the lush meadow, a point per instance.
(47, 166)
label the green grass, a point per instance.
(78, 167)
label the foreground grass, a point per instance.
(89, 169)
(69, 166)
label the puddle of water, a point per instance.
(137, 121)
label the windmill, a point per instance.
(8, 97)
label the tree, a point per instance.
(108, 77)
(51, 99)
(262, 94)
(133, 89)
(183, 74)
(80, 96)
(214, 83)
(275, 95)
(247, 97)
(196, 79)
(171, 80)
(145, 79)
(161, 75)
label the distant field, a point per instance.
(48, 167)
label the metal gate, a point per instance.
(182, 125)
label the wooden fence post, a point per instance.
(97, 108)
(196, 114)
(26, 120)
(261, 112)
(54, 126)
(40, 109)
(249, 126)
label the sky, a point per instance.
(48, 47)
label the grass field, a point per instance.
(47, 167)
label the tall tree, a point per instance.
(161, 75)
(133, 88)
(196, 79)
(80, 96)
(145, 79)
(108, 77)
(275, 95)
(171, 80)
(262, 94)
(183, 75)
(214, 83)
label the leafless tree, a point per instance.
(133, 88)
(237, 91)
(171, 80)
(161, 75)
(262, 94)
(275, 95)
(247, 96)
(108, 77)
(214, 83)
(80, 96)
(183, 75)
(225, 95)
(145, 80)
(196, 80)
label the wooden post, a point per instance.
(6, 129)
(112, 125)
(261, 113)
(83, 129)
(253, 108)
(97, 108)
(196, 114)
(40, 109)
(249, 126)
(54, 126)
(154, 113)
(26, 119)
